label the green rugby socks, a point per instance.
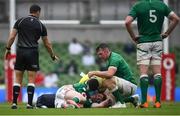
(157, 85)
(144, 81)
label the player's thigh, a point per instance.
(127, 88)
(156, 53)
(143, 54)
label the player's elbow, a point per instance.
(175, 19)
(128, 21)
(178, 19)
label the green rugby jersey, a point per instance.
(123, 70)
(150, 17)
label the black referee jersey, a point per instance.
(29, 31)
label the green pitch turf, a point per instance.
(167, 109)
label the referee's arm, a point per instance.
(11, 39)
(48, 46)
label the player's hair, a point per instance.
(93, 84)
(34, 8)
(102, 46)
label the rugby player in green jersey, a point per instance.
(116, 66)
(150, 17)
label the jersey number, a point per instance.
(153, 17)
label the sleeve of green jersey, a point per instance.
(133, 12)
(167, 10)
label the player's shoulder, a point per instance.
(116, 55)
(138, 3)
(21, 18)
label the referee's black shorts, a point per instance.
(27, 59)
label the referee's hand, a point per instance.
(55, 58)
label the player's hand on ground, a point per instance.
(164, 35)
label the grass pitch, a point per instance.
(167, 109)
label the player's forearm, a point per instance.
(103, 104)
(10, 42)
(49, 49)
(128, 24)
(130, 31)
(172, 25)
(48, 46)
(96, 105)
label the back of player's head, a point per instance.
(102, 46)
(93, 84)
(34, 8)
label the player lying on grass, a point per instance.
(126, 88)
(77, 95)
(97, 100)
(76, 92)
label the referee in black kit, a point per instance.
(29, 30)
